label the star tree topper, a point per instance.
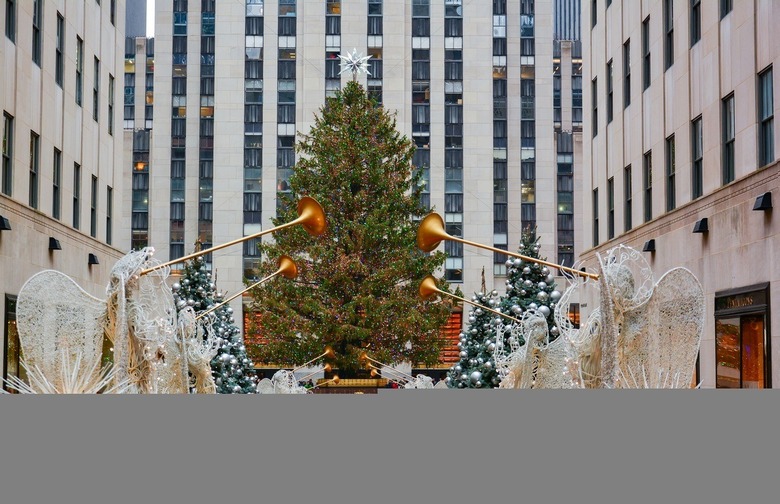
(354, 62)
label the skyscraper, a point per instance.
(680, 161)
(472, 87)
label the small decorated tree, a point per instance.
(476, 368)
(530, 285)
(232, 369)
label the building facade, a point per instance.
(61, 196)
(679, 161)
(472, 87)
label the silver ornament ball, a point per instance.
(544, 311)
(475, 376)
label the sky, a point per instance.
(150, 18)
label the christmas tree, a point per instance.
(232, 369)
(530, 285)
(357, 283)
(476, 368)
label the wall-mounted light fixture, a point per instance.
(5, 224)
(763, 202)
(649, 246)
(54, 244)
(92, 260)
(701, 226)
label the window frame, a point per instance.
(697, 158)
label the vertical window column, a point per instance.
(565, 152)
(421, 94)
(500, 138)
(375, 45)
(129, 90)
(453, 136)
(8, 154)
(206, 147)
(766, 114)
(285, 143)
(647, 184)
(253, 134)
(332, 47)
(178, 130)
(140, 190)
(527, 116)
(149, 107)
(35, 159)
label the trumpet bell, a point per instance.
(431, 232)
(287, 267)
(311, 216)
(329, 353)
(336, 380)
(428, 287)
(374, 373)
(328, 368)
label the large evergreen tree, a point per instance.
(530, 285)
(232, 369)
(357, 284)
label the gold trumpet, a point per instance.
(334, 380)
(364, 357)
(327, 353)
(428, 289)
(326, 369)
(310, 216)
(431, 233)
(395, 375)
(287, 269)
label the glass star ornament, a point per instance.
(354, 62)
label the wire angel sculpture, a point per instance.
(420, 381)
(635, 333)
(154, 350)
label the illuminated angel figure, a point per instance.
(354, 62)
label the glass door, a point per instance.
(739, 351)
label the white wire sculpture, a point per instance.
(155, 351)
(635, 333)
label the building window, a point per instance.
(725, 7)
(668, 34)
(112, 13)
(728, 133)
(766, 114)
(742, 346)
(611, 208)
(35, 159)
(11, 348)
(647, 184)
(96, 91)
(109, 213)
(60, 49)
(695, 21)
(697, 156)
(111, 104)
(595, 217)
(37, 25)
(594, 9)
(8, 154)
(627, 199)
(671, 202)
(76, 195)
(79, 67)
(610, 92)
(93, 208)
(10, 19)
(627, 73)
(56, 178)
(646, 53)
(595, 114)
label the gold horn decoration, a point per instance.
(364, 357)
(326, 369)
(310, 216)
(287, 269)
(328, 353)
(431, 233)
(335, 380)
(395, 375)
(428, 289)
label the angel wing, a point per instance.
(660, 339)
(59, 322)
(265, 386)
